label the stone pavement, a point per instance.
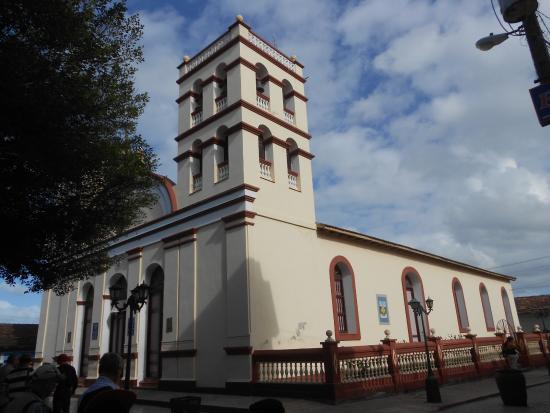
(471, 396)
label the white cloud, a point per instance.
(10, 313)
(13, 289)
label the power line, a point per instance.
(520, 262)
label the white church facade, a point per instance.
(235, 259)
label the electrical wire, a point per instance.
(496, 15)
(521, 262)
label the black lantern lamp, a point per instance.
(432, 385)
(138, 298)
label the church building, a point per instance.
(234, 257)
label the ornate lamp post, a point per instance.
(138, 297)
(432, 386)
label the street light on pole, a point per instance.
(525, 12)
(432, 385)
(137, 299)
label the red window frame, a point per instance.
(349, 335)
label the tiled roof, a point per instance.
(18, 337)
(531, 304)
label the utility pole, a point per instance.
(537, 47)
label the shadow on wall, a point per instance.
(263, 320)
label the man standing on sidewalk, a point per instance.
(66, 387)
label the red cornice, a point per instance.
(212, 141)
(301, 152)
(211, 79)
(185, 155)
(81, 302)
(272, 80)
(274, 48)
(276, 141)
(179, 235)
(252, 108)
(237, 225)
(239, 215)
(298, 95)
(486, 311)
(187, 95)
(240, 61)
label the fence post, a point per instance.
(393, 365)
(475, 352)
(438, 357)
(523, 349)
(332, 364)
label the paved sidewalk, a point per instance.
(467, 396)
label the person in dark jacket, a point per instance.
(66, 387)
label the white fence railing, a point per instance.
(292, 180)
(259, 43)
(197, 182)
(265, 169)
(196, 118)
(223, 171)
(289, 116)
(262, 102)
(221, 103)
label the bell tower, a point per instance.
(242, 122)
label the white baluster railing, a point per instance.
(490, 352)
(221, 103)
(265, 169)
(289, 116)
(457, 357)
(292, 180)
(364, 368)
(262, 102)
(213, 48)
(197, 182)
(256, 41)
(223, 171)
(196, 117)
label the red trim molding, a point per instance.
(187, 95)
(106, 297)
(81, 302)
(239, 215)
(356, 335)
(270, 78)
(482, 288)
(412, 271)
(212, 141)
(179, 353)
(293, 93)
(461, 328)
(276, 141)
(211, 79)
(234, 106)
(240, 61)
(93, 357)
(301, 152)
(238, 351)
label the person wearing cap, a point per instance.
(66, 387)
(104, 395)
(41, 384)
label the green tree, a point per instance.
(73, 170)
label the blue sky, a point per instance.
(419, 137)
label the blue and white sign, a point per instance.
(383, 311)
(541, 100)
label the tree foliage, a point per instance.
(73, 170)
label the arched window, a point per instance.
(293, 164)
(222, 154)
(154, 324)
(288, 101)
(413, 288)
(344, 300)
(262, 87)
(196, 103)
(118, 319)
(220, 88)
(507, 308)
(265, 153)
(196, 166)
(460, 306)
(86, 331)
(486, 304)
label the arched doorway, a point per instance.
(413, 288)
(117, 325)
(154, 324)
(86, 331)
